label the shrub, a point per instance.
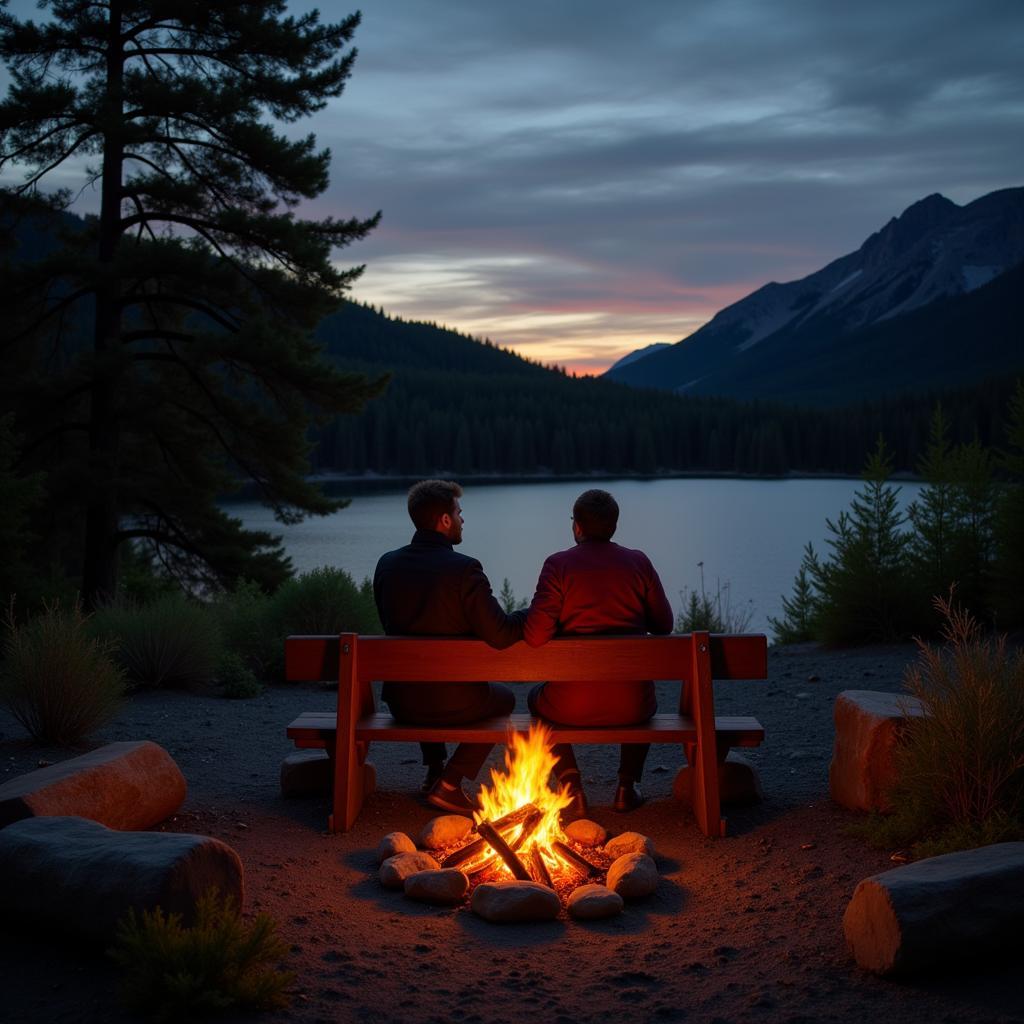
(236, 680)
(171, 643)
(961, 765)
(322, 601)
(717, 614)
(58, 681)
(178, 972)
(244, 617)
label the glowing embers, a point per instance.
(517, 831)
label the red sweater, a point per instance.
(597, 587)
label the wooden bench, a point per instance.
(696, 659)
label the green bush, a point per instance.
(170, 643)
(801, 612)
(713, 614)
(221, 962)
(236, 680)
(244, 617)
(320, 602)
(960, 768)
(58, 681)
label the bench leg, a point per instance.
(707, 806)
(347, 795)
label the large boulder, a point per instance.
(937, 911)
(738, 782)
(868, 727)
(131, 785)
(67, 874)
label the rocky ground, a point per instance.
(742, 929)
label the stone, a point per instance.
(739, 783)
(444, 830)
(395, 870)
(629, 842)
(445, 886)
(309, 773)
(509, 902)
(130, 786)
(67, 874)
(938, 911)
(868, 726)
(392, 843)
(594, 902)
(586, 833)
(633, 876)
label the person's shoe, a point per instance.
(435, 769)
(627, 798)
(578, 808)
(450, 797)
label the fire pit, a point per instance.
(517, 854)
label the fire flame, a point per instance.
(529, 762)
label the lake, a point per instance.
(749, 534)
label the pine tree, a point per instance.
(863, 583)
(170, 349)
(1009, 563)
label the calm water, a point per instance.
(749, 534)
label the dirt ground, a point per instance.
(742, 929)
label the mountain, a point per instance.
(933, 300)
(639, 353)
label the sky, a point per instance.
(577, 180)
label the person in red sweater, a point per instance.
(597, 587)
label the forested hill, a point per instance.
(462, 406)
(360, 334)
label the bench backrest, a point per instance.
(598, 658)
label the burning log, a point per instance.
(512, 818)
(468, 852)
(574, 860)
(530, 825)
(503, 850)
(539, 869)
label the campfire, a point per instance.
(517, 833)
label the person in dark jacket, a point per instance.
(428, 589)
(597, 587)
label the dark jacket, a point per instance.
(597, 587)
(429, 589)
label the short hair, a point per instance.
(431, 499)
(597, 514)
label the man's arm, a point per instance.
(486, 617)
(545, 608)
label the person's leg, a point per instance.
(631, 766)
(468, 758)
(631, 762)
(566, 769)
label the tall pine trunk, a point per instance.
(99, 564)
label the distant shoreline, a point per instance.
(370, 482)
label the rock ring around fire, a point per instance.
(594, 902)
(633, 876)
(395, 870)
(444, 887)
(510, 902)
